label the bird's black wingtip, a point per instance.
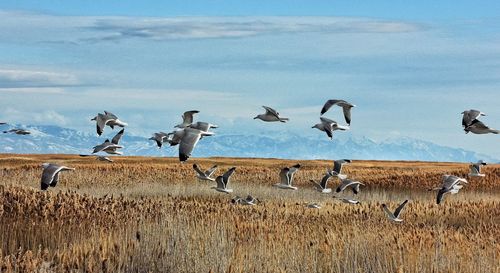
(183, 157)
(43, 186)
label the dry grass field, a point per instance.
(152, 215)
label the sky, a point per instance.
(410, 69)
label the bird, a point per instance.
(322, 186)
(110, 147)
(395, 216)
(451, 184)
(205, 175)
(270, 115)
(313, 206)
(349, 183)
(18, 132)
(347, 200)
(475, 169)
(223, 181)
(328, 126)
(470, 115)
(478, 127)
(50, 174)
(99, 157)
(286, 177)
(158, 137)
(175, 137)
(108, 119)
(3, 123)
(203, 126)
(337, 168)
(188, 141)
(346, 107)
(249, 200)
(187, 119)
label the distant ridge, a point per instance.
(55, 139)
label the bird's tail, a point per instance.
(284, 119)
(496, 132)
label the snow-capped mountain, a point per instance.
(54, 139)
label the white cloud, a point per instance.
(22, 80)
(15, 116)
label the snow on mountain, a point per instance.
(55, 139)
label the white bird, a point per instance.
(50, 174)
(18, 132)
(477, 127)
(270, 115)
(328, 126)
(99, 157)
(187, 119)
(394, 216)
(354, 185)
(249, 200)
(451, 184)
(337, 168)
(313, 205)
(347, 200)
(346, 107)
(223, 181)
(158, 137)
(470, 115)
(322, 186)
(475, 169)
(108, 119)
(286, 177)
(189, 139)
(112, 146)
(205, 175)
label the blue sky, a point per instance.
(411, 69)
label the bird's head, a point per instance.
(45, 165)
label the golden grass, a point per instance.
(152, 215)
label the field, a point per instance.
(152, 215)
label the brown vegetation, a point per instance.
(152, 215)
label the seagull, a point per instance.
(337, 168)
(176, 137)
(158, 137)
(189, 139)
(451, 184)
(18, 132)
(328, 126)
(206, 175)
(347, 200)
(203, 126)
(475, 169)
(50, 174)
(223, 180)
(321, 187)
(110, 147)
(270, 115)
(346, 107)
(313, 205)
(470, 115)
(394, 217)
(99, 157)
(249, 200)
(108, 119)
(477, 127)
(349, 183)
(286, 177)
(187, 119)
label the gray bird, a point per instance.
(475, 169)
(477, 127)
(286, 177)
(271, 115)
(187, 119)
(249, 200)
(354, 185)
(395, 216)
(107, 119)
(322, 185)
(347, 200)
(158, 138)
(203, 126)
(223, 181)
(112, 146)
(346, 107)
(205, 175)
(451, 184)
(470, 115)
(50, 174)
(189, 139)
(18, 132)
(329, 126)
(337, 168)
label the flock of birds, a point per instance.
(188, 133)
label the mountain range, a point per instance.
(54, 139)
